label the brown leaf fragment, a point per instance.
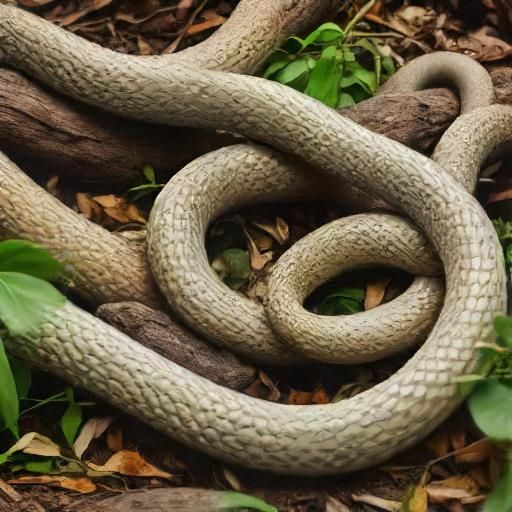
(320, 396)
(278, 230)
(211, 21)
(144, 47)
(299, 397)
(475, 452)
(93, 428)
(87, 7)
(455, 487)
(82, 485)
(130, 463)
(375, 292)
(119, 209)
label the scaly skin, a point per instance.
(338, 437)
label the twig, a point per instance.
(174, 45)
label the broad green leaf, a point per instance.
(43, 466)
(294, 74)
(503, 327)
(278, 63)
(9, 405)
(26, 302)
(324, 80)
(28, 258)
(354, 74)
(149, 173)
(22, 376)
(344, 301)
(234, 501)
(367, 45)
(345, 100)
(325, 33)
(233, 267)
(72, 418)
(490, 405)
(500, 499)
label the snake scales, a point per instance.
(338, 437)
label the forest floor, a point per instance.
(452, 470)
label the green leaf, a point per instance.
(367, 45)
(72, 418)
(43, 466)
(135, 193)
(324, 81)
(325, 33)
(344, 301)
(28, 258)
(22, 376)
(355, 74)
(9, 405)
(26, 302)
(503, 327)
(233, 267)
(388, 66)
(233, 501)
(490, 405)
(149, 173)
(500, 499)
(294, 74)
(345, 100)
(277, 63)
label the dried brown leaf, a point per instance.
(455, 487)
(375, 292)
(299, 397)
(93, 428)
(119, 209)
(438, 443)
(130, 463)
(475, 452)
(82, 485)
(87, 7)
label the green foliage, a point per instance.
(26, 301)
(72, 418)
(235, 501)
(332, 64)
(344, 301)
(504, 231)
(233, 267)
(148, 187)
(490, 404)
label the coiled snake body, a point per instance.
(337, 437)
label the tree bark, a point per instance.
(158, 332)
(46, 132)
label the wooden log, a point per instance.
(45, 132)
(158, 332)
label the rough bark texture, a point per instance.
(158, 332)
(155, 500)
(12, 501)
(45, 132)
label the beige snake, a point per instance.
(338, 437)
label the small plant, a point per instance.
(147, 188)
(26, 301)
(490, 404)
(339, 67)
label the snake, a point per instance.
(304, 440)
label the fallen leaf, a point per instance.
(299, 397)
(375, 501)
(93, 428)
(34, 444)
(82, 484)
(130, 463)
(473, 453)
(279, 230)
(119, 209)
(212, 20)
(455, 487)
(375, 292)
(90, 6)
(438, 443)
